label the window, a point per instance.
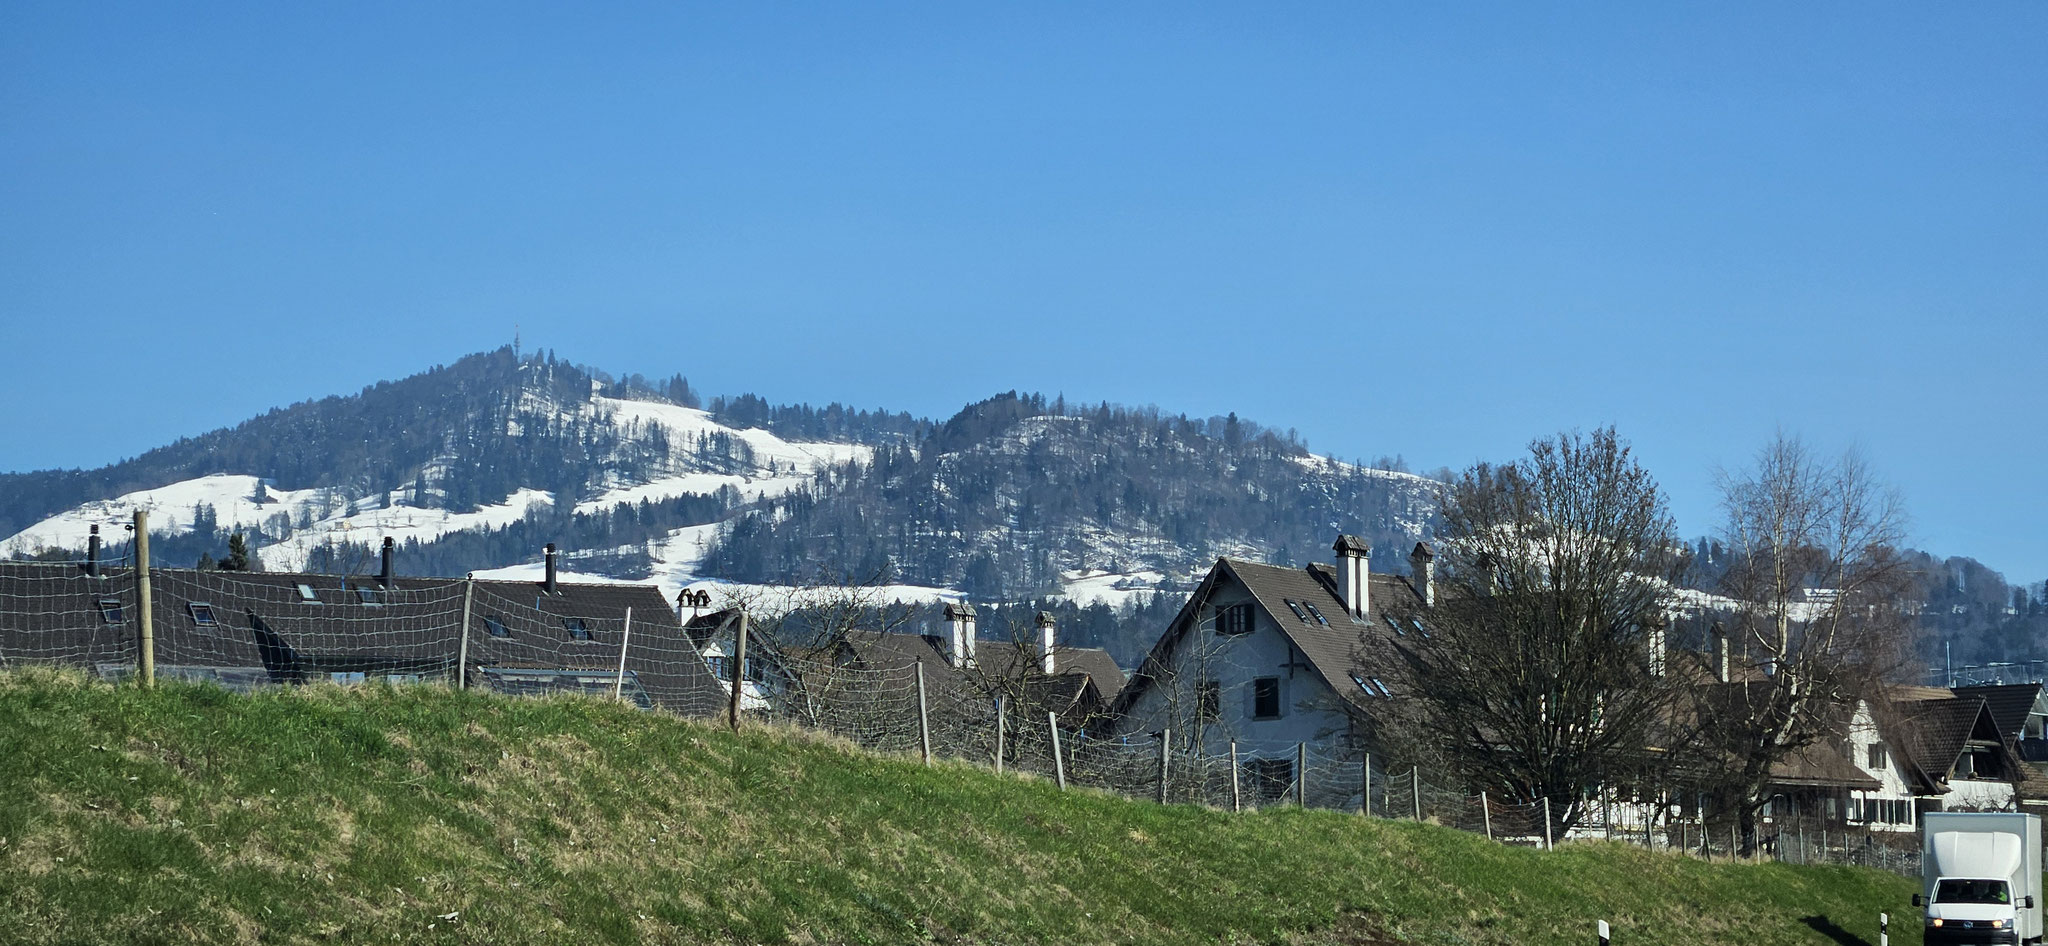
(719, 665)
(110, 611)
(1877, 756)
(578, 630)
(1295, 607)
(1382, 687)
(1234, 620)
(1419, 629)
(307, 594)
(1270, 778)
(348, 678)
(368, 595)
(1398, 632)
(1209, 701)
(1318, 615)
(1266, 698)
(495, 627)
(202, 614)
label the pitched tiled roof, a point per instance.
(2010, 704)
(1820, 765)
(1342, 645)
(1085, 679)
(1935, 731)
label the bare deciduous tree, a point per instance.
(1537, 679)
(1821, 613)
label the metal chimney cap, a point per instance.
(959, 611)
(1045, 619)
(1351, 545)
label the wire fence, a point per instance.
(246, 630)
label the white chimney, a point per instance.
(1719, 638)
(1047, 639)
(1422, 575)
(1654, 632)
(1353, 574)
(960, 635)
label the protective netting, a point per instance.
(256, 629)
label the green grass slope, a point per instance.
(423, 815)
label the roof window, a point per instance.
(578, 630)
(1295, 607)
(495, 627)
(202, 614)
(1317, 614)
(369, 595)
(1398, 632)
(307, 594)
(111, 612)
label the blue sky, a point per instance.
(1399, 229)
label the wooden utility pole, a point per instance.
(626, 637)
(148, 622)
(739, 671)
(462, 648)
(924, 723)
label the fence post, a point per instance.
(1365, 779)
(462, 648)
(1059, 765)
(148, 622)
(1415, 788)
(1165, 743)
(1607, 812)
(1485, 816)
(1734, 846)
(1547, 843)
(1001, 707)
(924, 723)
(1301, 775)
(739, 674)
(626, 637)
(1236, 797)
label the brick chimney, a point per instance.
(1354, 574)
(960, 634)
(1048, 638)
(1422, 573)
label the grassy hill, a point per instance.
(425, 815)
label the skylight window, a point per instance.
(1317, 613)
(1382, 687)
(578, 631)
(111, 611)
(307, 594)
(368, 595)
(495, 627)
(1417, 625)
(1295, 607)
(1398, 632)
(202, 614)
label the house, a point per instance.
(2021, 711)
(716, 636)
(1269, 657)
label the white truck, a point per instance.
(1982, 877)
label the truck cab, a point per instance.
(1972, 910)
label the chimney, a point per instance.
(92, 552)
(384, 575)
(1422, 574)
(1489, 573)
(549, 582)
(1653, 633)
(1353, 574)
(960, 639)
(1719, 638)
(1047, 638)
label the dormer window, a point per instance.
(578, 630)
(202, 614)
